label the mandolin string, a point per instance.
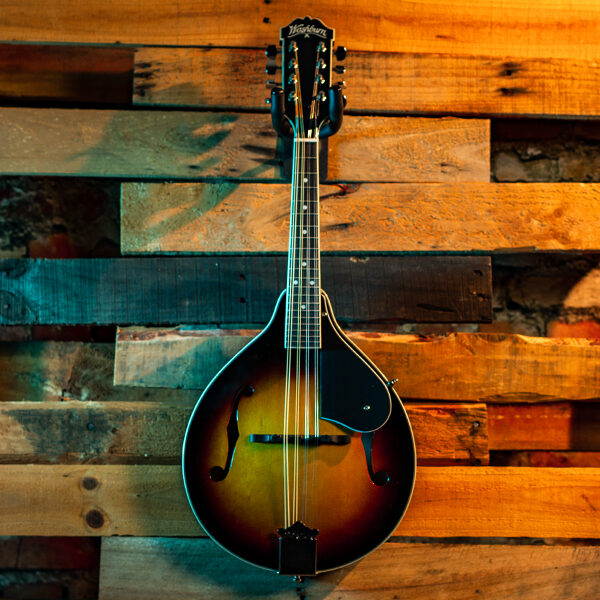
(289, 320)
(299, 283)
(288, 333)
(312, 305)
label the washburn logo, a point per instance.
(306, 30)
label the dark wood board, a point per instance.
(239, 289)
(82, 75)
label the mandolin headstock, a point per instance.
(308, 103)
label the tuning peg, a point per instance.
(271, 51)
(271, 69)
(340, 52)
(339, 69)
(345, 100)
(342, 84)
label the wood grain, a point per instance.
(461, 367)
(152, 432)
(59, 372)
(73, 74)
(553, 28)
(555, 426)
(486, 217)
(150, 500)
(232, 289)
(378, 81)
(233, 146)
(186, 569)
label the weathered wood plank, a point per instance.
(556, 426)
(152, 568)
(461, 367)
(555, 28)
(63, 371)
(80, 74)
(488, 217)
(233, 146)
(173, 290)
(378, 81)
(545, 458)
(150, 500)
(152, 432)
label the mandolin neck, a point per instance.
(303, 308)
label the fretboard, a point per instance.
(303, 312)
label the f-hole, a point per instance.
(381, 477)
(233, 433)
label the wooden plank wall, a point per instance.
(168, 100)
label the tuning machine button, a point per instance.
(271, 69)
(339, 69)
(342, 84)
(271, 51)
(341, 52)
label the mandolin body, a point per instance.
(234, 467)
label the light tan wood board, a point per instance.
(234, 146)
(461, 367)
(377, 81)
(447, 502)
(401, 217)
(550, 28)
(155, 568)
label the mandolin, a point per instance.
(299, 456)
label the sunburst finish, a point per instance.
(335, 493)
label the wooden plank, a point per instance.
(152, 432)
(63, 371)
(553, 28)
(461, 367)
(556, 426)
(545, 458)
(485, 217)
(173, 290)
(233, 146)
(150, 500)
(74, 74)
(152, 568)
(378, 81)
